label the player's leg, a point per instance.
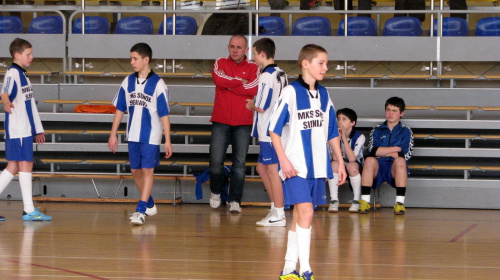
(277, 189)
(30, 213)
(219, 141)
(334, 189)
(6, 177)
(303, 228)
(399, 172)
(355, 181)
(370, 171)
(292, 255)
(240, 140)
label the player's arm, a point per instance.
(165, 123)
(249, 84)
(7, 105)
(286, 166)
(221, 79)
(407, 144)
(335, 146)
(113, 138)
(349, 153)
(388, 152)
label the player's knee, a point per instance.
(399, 163)
(352, 169)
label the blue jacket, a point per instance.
(382, 136)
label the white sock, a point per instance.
(304, 248)
(366, 197)
(400, 199)
(292, 253)
(356, 186)
(5, 179)
(272, 205)
(26, 191)
(334, 189)
(280, 211)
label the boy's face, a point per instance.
(393, 114)
(24, 58)
(237, 49)
(317, 67)
(259, 58)
(138, 62)
(344, 123)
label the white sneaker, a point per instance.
(354, 207)
(267, 217)
(214, 200)
(272, 220)
(334, 206)
(234, 207)
(150, 211)
(138, 218)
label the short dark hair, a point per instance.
(18, 46)
(396, 102)
(143, 49)
(348, 112)
(310, 51)
(266, 46)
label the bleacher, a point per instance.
(453, 110)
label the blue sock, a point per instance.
(151, 202)
(141, 207)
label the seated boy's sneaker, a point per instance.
(354, 207)
(399, 208)
(234, 207)
(138, 218)
(364, 207)
(292, 276)
(36, 216)
(151, 211)
(215, 200)
(2, 218)
(307, 276)
(272, 220)
(334, 206)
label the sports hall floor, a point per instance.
(192, 241)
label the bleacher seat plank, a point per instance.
(453, 167)
(64, 131)
(419, 166)
(490, 108)
(115, 200)
(408, 76)
(418, 107)
(457, 108)
(176, 74)
(362, 76)
(490, 168)
(56, 160)
(492, 76)
(59, 101)
(192, 133)
(85, 73)
(450, 76)
(105, 161)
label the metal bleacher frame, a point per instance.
(422, 192)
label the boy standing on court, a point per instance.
(271, 81)
(301, 128)
(22, 126)
(352, 145)
(145, 96)
(389, 150)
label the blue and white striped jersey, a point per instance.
(146, 102)
(24, 120)
(271, 82)
(306, 121)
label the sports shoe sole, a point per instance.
(281, 223)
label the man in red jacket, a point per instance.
(235, 80)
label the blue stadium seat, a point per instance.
(134, 25)
(46, 25)
(312, 26)
(11, 24)
(358, 26)
(93, 25)
(452, 26)
(402, 26)
(272, 26)
(489, 26)
(184, 25)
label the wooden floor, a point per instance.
(95, 241)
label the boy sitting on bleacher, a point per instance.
(145, 96)
(22, 126)
(389, 150)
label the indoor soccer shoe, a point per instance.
(307, 276)
(399, 208)
(138, 218)
(215, 200)
(334, 206)
(36, 216)
(354, 207)
(272, 220)
(234, 207)
(151, 211)
(364, 207)
(292, 276)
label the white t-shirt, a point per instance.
(146, 101)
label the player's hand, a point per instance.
(113, 143)
(250, 105)
(8, 107)
(40, 138)
(287, 169)
(168, 150)
(342, 175)
(243, 81)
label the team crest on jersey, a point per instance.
(310, 118)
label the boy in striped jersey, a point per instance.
(145, 96)
(301, 128)
(22, 126)
(271, 81)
